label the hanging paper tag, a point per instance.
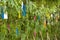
(8, 27)
(5, 16)
(44, 23)
(51, 15)
(22, 5)
(48, 15)
(38, 17)
(17, 31)
(2, 15)
(34, 18)
(23, 9)
(34, 32)
(19, 15)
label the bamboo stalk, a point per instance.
(27, 38)
(55, 37)
(48, 38)
(33, 38)
(41, 35)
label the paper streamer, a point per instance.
(34, 18)
(19, 15)
(34, 32)
(44, 23)
(17, 31)
(23, 9)
(2, 15)
(8, 26)
(5, 16)
(22, 5)
(38, 17)
(51, 15)
(48, 15)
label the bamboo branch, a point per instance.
(55, 37)
(48, 38)
(41, 35)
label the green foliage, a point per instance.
(27, 25)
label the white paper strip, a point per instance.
(22, 5)
(6, 16)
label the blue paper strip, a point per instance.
(17, 31)
(38, 17)
(24, 10)
(2, 15)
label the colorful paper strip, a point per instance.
(17, 31)
(23, 10)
